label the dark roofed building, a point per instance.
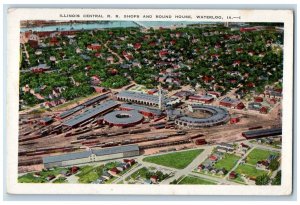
(108, 105)
(252, 134)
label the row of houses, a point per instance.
(113, 172)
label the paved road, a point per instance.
(200, 158)
(127, 174)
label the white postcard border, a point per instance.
(14, 17)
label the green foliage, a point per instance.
(277, 179)
(274, 164)
(115, 82)
(262, 180)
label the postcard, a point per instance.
(155, 102)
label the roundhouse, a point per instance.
(217, 116)
(123, 118)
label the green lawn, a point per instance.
(60, 180)
(249, 170)
(228, 162)
(195, 180)
(29, 178)
(89, 174)
(178, 160)
(258, 155)
(139, 173)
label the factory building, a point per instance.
(93, 155)
(146, 111)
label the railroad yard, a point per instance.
(153, 135)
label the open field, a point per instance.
(195, 180)
(249, 170)
(227, 162)
(178, 160)
(258, 155)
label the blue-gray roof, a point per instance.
(218, 114)
(85, 154)
(129, 95)
(131, 117)
(71, 111)
(91, 113)
(66, 157)
(230, 100)
(94, 100)
(115, 150)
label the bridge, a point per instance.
(140, 24)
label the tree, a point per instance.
(277, 179)
(262, 180)
(274, 164)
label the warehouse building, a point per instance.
(100, 109)
(253, 134)
(232, 103)
(141, 98)
(93, 155)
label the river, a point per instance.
(111, 24)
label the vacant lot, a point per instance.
(249, 170)
(196, 180)
(258, 155)
(228, 162)
(178, 160)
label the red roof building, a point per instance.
(74, 170)
(94, 47)
(234, 120)
(114, 171)
(154, 179)
(247, 29)
(232, 175)
(233, 103)
(163, 53)
(258, 99)
(127, 56)
(100, 89)
(202, 98)
(263, 110)
(53, 41)
(137, 45)
(213, 158)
